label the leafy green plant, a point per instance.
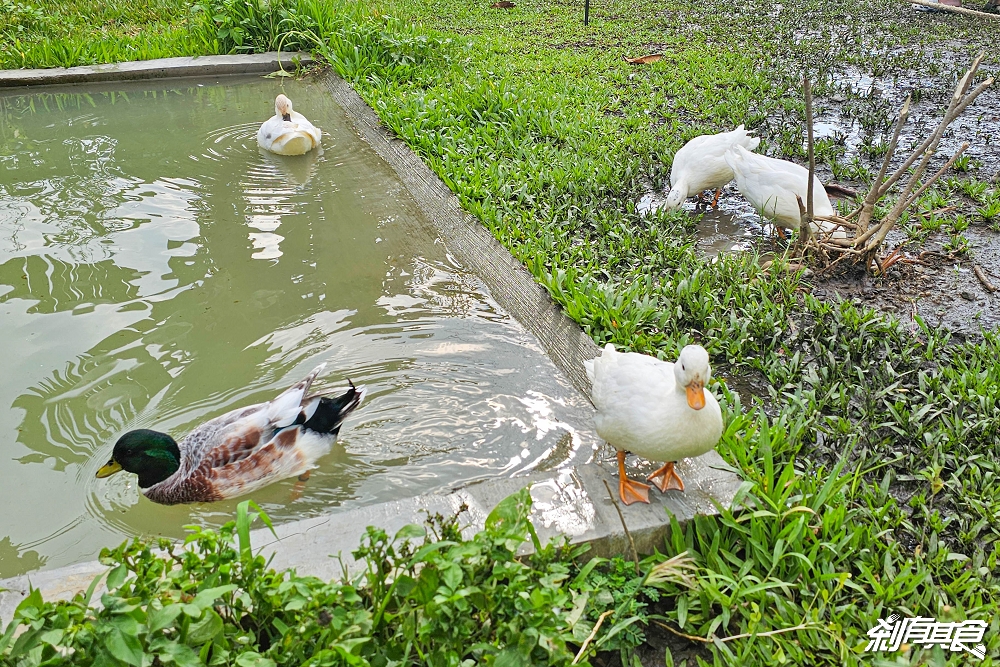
(426, 596)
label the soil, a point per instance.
(940, 286)
(943, 289)
(653, 652)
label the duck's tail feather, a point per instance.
(284, 409)
(325, 415)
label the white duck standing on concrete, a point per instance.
(771, 185)
(656, 409)
(700, 165)
(287, 132)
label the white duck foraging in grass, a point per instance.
(655, 409)
(700, 165)
(771, 185)
(288, 132)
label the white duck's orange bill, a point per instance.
(696, 396)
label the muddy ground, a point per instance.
(855, 113)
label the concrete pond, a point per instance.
(157, 269)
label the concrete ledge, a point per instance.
(573, 503)
(161, 68)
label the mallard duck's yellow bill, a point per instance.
(109, 469)
(696, 395)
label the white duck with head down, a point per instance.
(288, 132)
(700, 165)
(656, 409)
(771, 186)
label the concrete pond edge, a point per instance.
(571, 502)
(161, 68)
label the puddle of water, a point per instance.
(733, 226)
(157, 270)
(865, 108)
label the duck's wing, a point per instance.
(629, 378)
(269, 131)
(304, 125)
(701, 164)
(234, 436)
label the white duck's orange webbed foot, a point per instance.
(631, 491)
(666, 478)
(305, 476)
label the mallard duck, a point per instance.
(239, 452)
(771, 185)
(700, 165)
(287, 132)
(656, 409)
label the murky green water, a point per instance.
(156, 270)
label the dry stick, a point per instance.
(957, 10)
(745, 635)
(868, 207)
(955, 108)
(807, 89)
(874, 237)
(947, 165)
(990, 287)
(800, 243)
(906, 201)
(635, 553)
(593, 633)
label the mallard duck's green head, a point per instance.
(151, 455)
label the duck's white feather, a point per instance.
(771, 185)
(641, 409)
(700, 164)
(288, 137)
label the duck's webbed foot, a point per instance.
(629, 490)
(666, 478)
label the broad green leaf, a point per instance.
(410, 531)
(207, 597)
(162, 618)
(511, 657)
(204, 630)
(33, 601)
(52, 637)
(510, 510)
(124, 647)
(253, 659)
(181, 655)
(116, 577)
(451, 574)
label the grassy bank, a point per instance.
(56, 33)
(870, 458)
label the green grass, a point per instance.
(60, 33)
(871, 464)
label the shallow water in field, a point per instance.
(157, 269)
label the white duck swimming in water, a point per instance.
(700, 165)
(771, 185)
(287, 132)
(655, 409)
